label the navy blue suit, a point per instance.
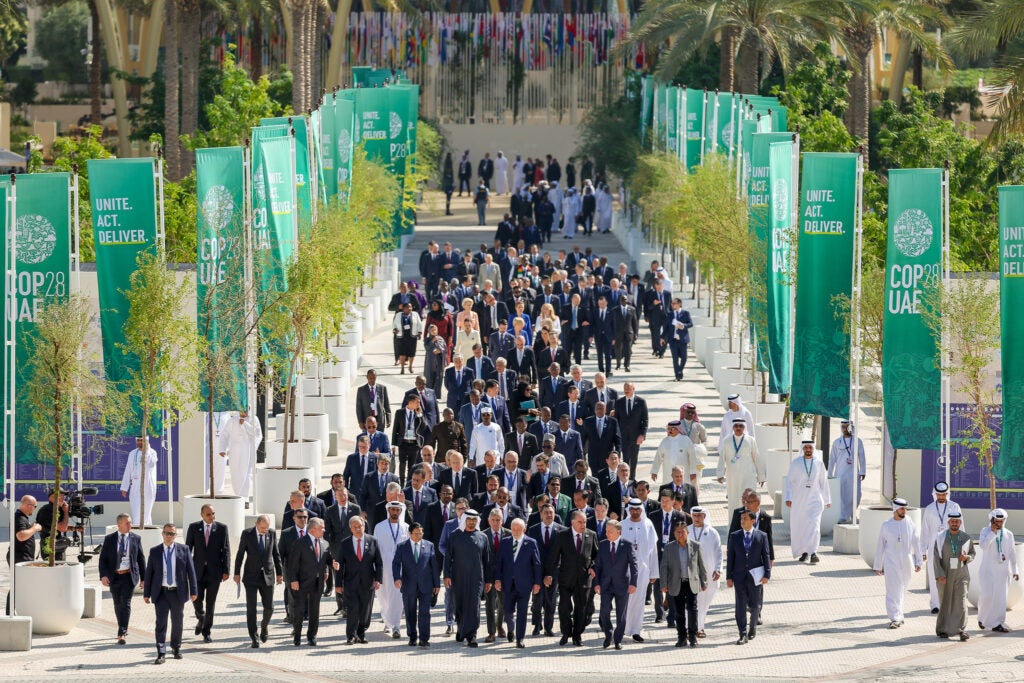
(604, 333)
(518, 575)
(379, 442)
(373, 493)
(580, 413)
(427, 496)
(354, 474)
(550, 393)
(570, 445)
(122, 585)
(677, 338)
(741, 560)
(486, 366)
(614, 578)
(458, 386)
(599, 445)
(168, 602)
(544, 603)
(419, 582)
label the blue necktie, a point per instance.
(263, 548)
(168, 566)
(382, 482)
(746, 541)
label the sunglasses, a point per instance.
(300, 517)
(170, 533)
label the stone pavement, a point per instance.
(820, 622)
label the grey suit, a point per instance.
(684, 592)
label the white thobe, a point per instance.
(934, 522)
(711, 550)
(485, 438)
(239, 442)
(517, 175)
(806, 487)
(570, 207)
(219, 462)
(847, 462)
(998, 565)
(699, 436)
(388, 537)
(740, 463)
(675, 451)
(730, 415)
(897, 554)
(644, 538)
(604, 211)
(501, 175)
(555, 195)
(131, 482)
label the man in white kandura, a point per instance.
(240, 436)
(898, 551)
(711, 548)
(389, 533)
(132, 482)
(736, 411)
(846, 461)
(998, 566)
(675, 450)
(934, 520)
(739, 463)
(638, 530)
(690, 425)
(806, 494)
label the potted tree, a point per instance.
(162, 351)
(59, 388)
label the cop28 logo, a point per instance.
(259, 183)
(396, 126)
(727, 135)
(36, 239)
(780, 199)
(218, 207)
(913, 233)
(344, 145)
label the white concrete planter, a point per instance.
(347, 354)
(333, 386)
(871, 520)
(699, 336)
(335, 407)
(315, 425)
(777, 465)
(771, 436)
(53, 596)
(727, 370)
(310, 455)
(310, 385)
(354, 335)
(1014, 589)
(230, 511)
(748, 393)
(830, 517)
(768, 413)
(372, 313)
(273, 486)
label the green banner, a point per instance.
(827, 228)
(274, 227)
(6, 218)
(326, 142)
(911, 384)
(316, 154)
(780, 278)
(122, 194)
(693, 146)
(370, 77)
(1010, 465)
(727, 125)
(373, 123)
(303, 184)
(220, 265)
(673, 120)
(759, 203)
(404, 115)
(646, 105)
(345, 135)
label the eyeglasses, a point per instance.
(170, 533)
(300, 516)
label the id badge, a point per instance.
(807, 485)
(849, 461)
(1002, 557)
(954, 563)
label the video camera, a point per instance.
(76, 503)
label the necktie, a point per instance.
(316, 549)
(263, 547)
(416, 501)
(572, 414)
(579, 544)
(382, 485)
(600, 532)
(207, 535)
(579, 484)
(359, 549)
(629, 406)
(515, 548)
(612, 548)
(416, 553)
(476, 413)
(600, 426)
(554, 384)
(665, 532)
(547, 535)
(362, 460)
(302, 534)
(496, 541)
(602, 315)
(121, 547)
(746, 542)
(444, 514)
(520, 443)
(168, 566)
(373, 401)
(574, 325)
(458, 482)
(501, 384)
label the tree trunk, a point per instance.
(299, 61)
(918, 69)
(317, 18)
(191, 26)
(95, 69)
(257, 47)
(746, 76)
(172, 120)
(727, 62)
(860, 90)
(899, 71)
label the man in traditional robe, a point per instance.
(897, 552)
(952, 552)
(847, 462)
(934, 522)
(736, 411)
(468, 574)
(132, 484)
(998, 566)
(807, 495)
(638, 531)
(389, 534)
(675, 450)
(739, 463)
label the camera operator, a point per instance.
(44, 519)
(24, 536)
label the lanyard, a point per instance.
(688, 427)
(942, 515)
(848, 446)
(737, 446)
(810, 468)
(999, 542)
(397, 530)
(954, 546)
(703, 530)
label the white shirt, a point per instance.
(168, 576)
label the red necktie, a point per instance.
(495, 542)
(547, 535)
(316, 547)
(207, 534)
(359, 549)
(579, 544)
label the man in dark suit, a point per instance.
(599, 522)
(606, 475)
(518, 576)
(665, 520)
(513, 479)
(419, 496)
(493, 317)
(600, 392)
(211, 557)
(572, 557)
(548, 296)
(308, 563)
(752, 501)
(358, 563)
(543, 426)
(575, 326)
(568, 441)
(122, 565)
(327, 497)
(309, 501)
(296, 504)
(336, 529)
(462, 479)
(550, 387)
(603, 328)
(573, 407)
(458, 381)
(600, 437)
(521, 360)
(428, 402)
(688, 492)
(414, 569)
(748, 552)
(257, 549)
(544, 533)
(581, 481)
(502, 375)
(289, 537)
(631, 413)
(615, 576)
(499, 406)
(676, 335)
(504, 506)
(170, 582)
(555, 353)
(481, 365)
(375, 484)
(620, 490)
(657, 303)
(410, 432)
(438, 514)
(494, 605)
(379, 442)
(372, 400)
(358, 465)
(626, 330)
(522, 442)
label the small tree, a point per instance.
(964, 314)
(161, 348)
(58, 382)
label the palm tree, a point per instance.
(989, 30)
(259, 14)
(866, 20)
(753, 33)
(172, 102)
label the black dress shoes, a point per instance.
(199, 628)
(549, 634)
(177, 654)
(471, 642)
(349, 641)
(536, 630)
(120, 640)
(263, 636)
(681, 642)
(297, 641)
(563, 640)
(802, 558)
(255, 644)
(607, 642)
(412, 642)
(159, 659)
(638, 638)
(618, 646)
(511, 636)
(578, 642)
(312, 642)
(207, 639)
(520, 645)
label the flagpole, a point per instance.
(945, 283)
(74, 266)
(10, 393)
(855, 303)
(250, 311)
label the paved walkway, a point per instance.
(821, 622)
